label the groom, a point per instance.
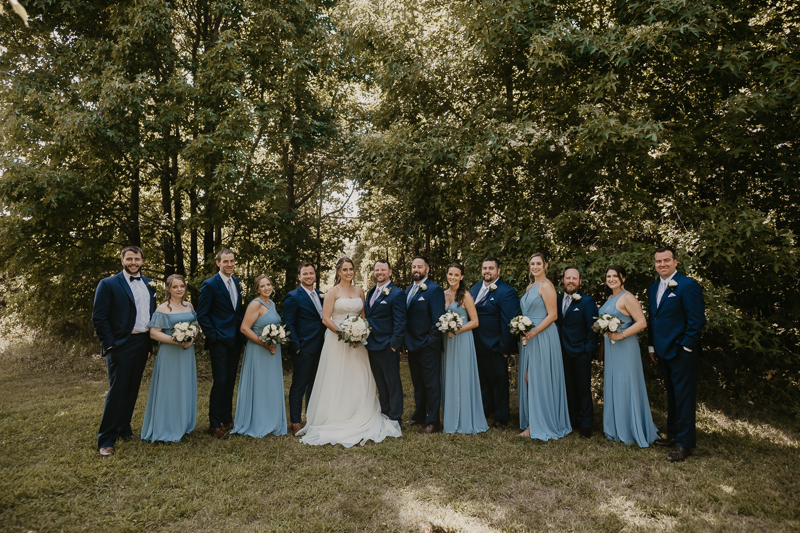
(123, 305)
(496, 303)
(424, 306)
(386, 314)
(219, 313)
(677, 318)
(302, 312)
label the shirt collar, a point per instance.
(310, 292)
(669, 278)
(380, 287)
(224, 277)
(421, 281)
(491, 282)
(128, 276)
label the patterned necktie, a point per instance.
(482, 294)
(567, 300)
(232, 292)
(412, 293)
(374, 296)
(662, 288)
(317, 304)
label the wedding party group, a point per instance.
(345, 347)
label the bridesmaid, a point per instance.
(260, 404)
(171, 410)
(462, 405)
(626, 409)
(543, 410)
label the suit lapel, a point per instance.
(125, 286)
(224, 289)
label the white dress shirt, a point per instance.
(378, 289)
(234, 294)
(141, 296)
(314, 298)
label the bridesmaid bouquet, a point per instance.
(274, 334)
(185, 331)
(354, 330)
(606, 324)
(520, 325)
(449, 322)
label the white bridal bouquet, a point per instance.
(606, 324)
(449, 322)
(354, 330)
(520, 325)
(185, 331)
(274, 334)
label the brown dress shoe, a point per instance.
(411, 422)
(227, 427)
(106, 451)
(297, 426)
(131, 438)
(217, 433)
(678, 453)
(665, 443)
(430, 428)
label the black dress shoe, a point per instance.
(678, 454)
(499, 424)
(664, 443)
(430, 428)
(586, 433)
(411, 422)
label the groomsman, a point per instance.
(497, 303)
(677, 318)
(219, 313)
(302, 313)
(576, 314)
(424, 306)
(123, 305)
(386, 314)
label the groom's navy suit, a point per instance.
(675, 324)
(424, 344)
(306, 335)
(220, 323)
(578, 344)
(114, 316)
(388, 321)
(493, 342)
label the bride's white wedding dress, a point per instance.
(344, 407)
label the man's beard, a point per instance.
(417, 276)
(488, 277)
(572, 289)
(131, 273)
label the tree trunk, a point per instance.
(134, 233)
(193, 233)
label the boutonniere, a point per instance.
(152, 284)
(321, 295)
(576, 297)
(492, 287)
(423, 287)
(242, 288)
(672, 285)
(386, 291)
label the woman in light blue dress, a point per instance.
(626, 409)
(462, 406)
(260, 404)
(543, 412)
(171, 410)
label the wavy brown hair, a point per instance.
(258, 280)
(337, 278)
(461, 291)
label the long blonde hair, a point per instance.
(544, 262)
(168, 284)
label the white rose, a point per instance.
(386, 291)
(672, 284)
(613, 326)
(423, 287)
(452, 324)
(527, 321)
(492, 287)
(603, 323)
(282, 334)
(576, 297)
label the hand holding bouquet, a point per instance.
(606, 324)
(450, 323)
(354, 330)
(521, 325)
(274, 334)
(185, 332)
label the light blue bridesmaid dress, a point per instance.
(543, 400)
(260, 403)
(171, 410)
(626, 409)
(462, 406)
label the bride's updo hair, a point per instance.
(461, 290)
(338, 277)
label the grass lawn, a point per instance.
(745, 475)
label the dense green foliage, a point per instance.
(594, 132)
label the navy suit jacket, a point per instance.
(306, 330)
(421, 316)
(215, 313)
(575, 327)
(387, 318)
(493, 334)
(680, 318)
(114, 312)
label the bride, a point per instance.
(344, 408)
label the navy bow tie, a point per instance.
(136, 278)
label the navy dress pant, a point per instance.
(385, 365)
(224, 366)
(680, 380)
(578, 381)
(304, 372)
(425, 365)
(125, 366)
(493, 375)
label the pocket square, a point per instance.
(491, 299)
(421, 299)
(383, 303)
(574, 310)
(671, 295)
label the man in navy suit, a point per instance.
(123, 305)
(677, 318)
(576, 314)
(496, 303)
(424, 306)
(386, 314)
(302, 313)
(219, 313)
